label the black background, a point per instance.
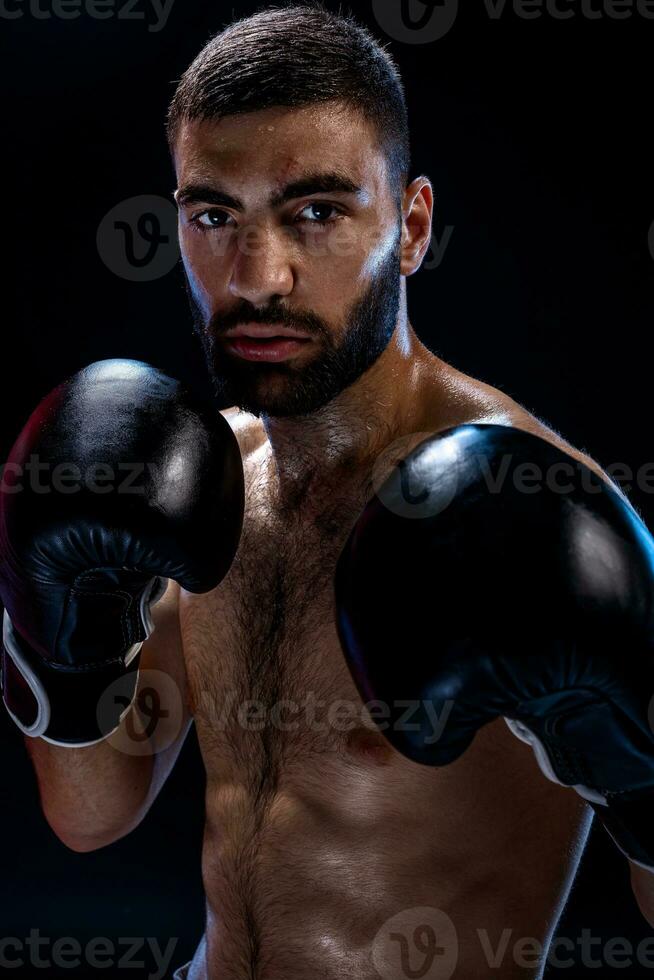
(535, 133)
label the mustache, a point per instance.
(301, 320)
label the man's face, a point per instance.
(288, 223)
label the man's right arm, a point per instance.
(94, 795)
(102, 704)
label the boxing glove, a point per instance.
(494, 575)
(120, 480)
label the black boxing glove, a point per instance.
(119, 480)
(494, 575)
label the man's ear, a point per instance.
(417, 210)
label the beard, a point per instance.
(280, 389)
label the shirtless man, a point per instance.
(297, 218)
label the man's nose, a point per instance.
(263, 265)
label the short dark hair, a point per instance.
(298, 55)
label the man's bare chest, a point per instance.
(268, 681)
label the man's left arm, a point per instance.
(493, 575)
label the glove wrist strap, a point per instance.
(66, 706)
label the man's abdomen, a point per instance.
(360, 864)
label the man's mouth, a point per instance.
(265, 342)
(263, 331)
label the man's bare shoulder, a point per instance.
(520, 418)
(469, 400)
(248, 429)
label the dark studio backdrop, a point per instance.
(534, 130)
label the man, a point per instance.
(299, 227)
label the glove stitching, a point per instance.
(571, 762)
(128, 620)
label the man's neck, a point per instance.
(342, 440)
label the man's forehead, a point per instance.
(275, 146)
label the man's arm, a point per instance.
(80, 572)
(94, 795)
(511, 842)
(522, 586)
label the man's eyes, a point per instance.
(315, 213)
(212, 218)
(319, 206)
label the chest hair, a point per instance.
(270, 638)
